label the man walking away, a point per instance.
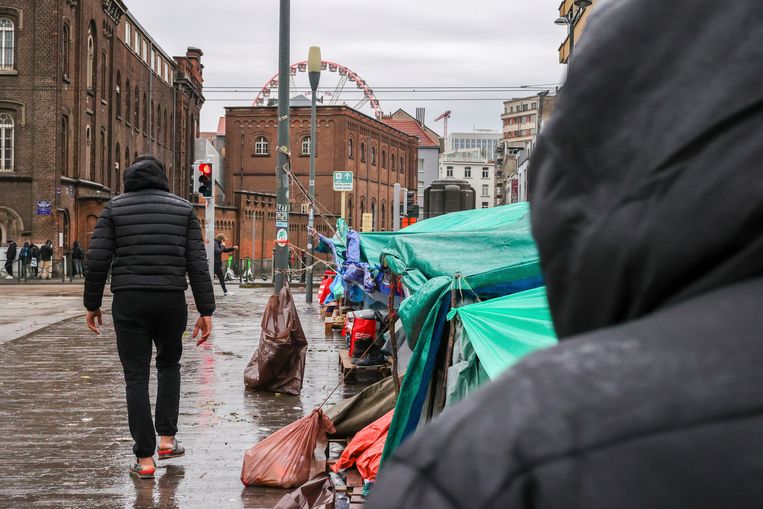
(151, 239)
(219, 250)
(46, 253)
(35, 260)
(10, 255)
(77, 255)
(25, 256)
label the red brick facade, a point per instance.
(378, 155)
(89, 90)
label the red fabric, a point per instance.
(366, 447)
(325, 289)
(361, 326)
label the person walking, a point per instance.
(77, 255)
(46, 254)
(25, 256)
(219, 250)
(151, 239)
(10, 256)
(35, 260)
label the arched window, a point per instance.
(362, 152)
(128, 103)
(384, 158)
(90, 61)
(350, 211)
(383, 213)
(373, 214)
(350, 148)
(166, 129)
(65, 46)
(127, 157)
(89, 159)
(117, 169)
(373, 155)
(261, 146)
(7, 41)
(136, 119)
(158, 122)
(105, 177)
(118, 95)
(104, 83)
(65, 146)
(146, 112)
(392, 159)
(402, 166)
(7, 140)
(305, 145)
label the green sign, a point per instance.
(342, 181)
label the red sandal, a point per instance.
(175, 451)
(142, 472)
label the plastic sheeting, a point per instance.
(357, 412)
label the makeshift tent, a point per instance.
(487, 252)
(357, 412)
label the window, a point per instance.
(118, 95)
(158, 122)
(146, 112)
(65, 146)
(145, 51)
(350, 210)
(393, 158)
(384, 162)
(402, 167)
(305, 145)
(7, 36)
(261, 146)
(104, 84)
(136, 47)
(534, 106)
(485, 204)
(89, 163)
(362, 152)
(90, 62)
(128, 103)
(117, 169)
(449, 171)
(524, 107)
(127, 157)
(373, 155)
(383, 212)
(166, 130)
(485, 190)
(485, 172)
(65, 46)
(468, 172)
(128, 33)
(136, 118)
(7, 141)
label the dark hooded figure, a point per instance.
(647, 202)
(151, 239)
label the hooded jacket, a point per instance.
(647, 202)
(151, 239)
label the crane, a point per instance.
(444, 117)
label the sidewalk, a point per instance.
(64, 414)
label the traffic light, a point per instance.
(205, 179)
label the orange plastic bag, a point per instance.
(368, 462)
(364, 440)
(283, 460)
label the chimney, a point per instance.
(420, 115)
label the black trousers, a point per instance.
(9, 267)
(221, 277)
(143, 317)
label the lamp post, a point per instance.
(314, 73)
(281, 252)
(570, 20)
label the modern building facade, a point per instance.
(472, 167)
(578, 16)
(523, 116)
(85, 89)
(428, 158)
(485, 140)
(379, 156)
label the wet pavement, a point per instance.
(64, 421)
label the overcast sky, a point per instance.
(392, 43)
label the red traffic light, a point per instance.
(205, 169)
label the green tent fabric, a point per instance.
(495, 255)
(505, 329)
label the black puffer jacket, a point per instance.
(647, 203)
(153, 239)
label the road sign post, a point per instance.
(343, 182)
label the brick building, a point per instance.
(84, 89)
(378, 155)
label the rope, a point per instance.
(316, 205)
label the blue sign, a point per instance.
(44, 208)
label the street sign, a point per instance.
(342, 181)
(282, 237)
(44, 208)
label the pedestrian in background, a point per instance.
(46, 254)
(151, 239)
(10, 256)
(219, 250)
(35, 260)
(25, 256)
(77, 256)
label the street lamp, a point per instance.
(314, 74)
(570, 22)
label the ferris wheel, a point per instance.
(333, 94)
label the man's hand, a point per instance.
(203, 324)
(92, 316)
(235, 248)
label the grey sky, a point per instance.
(390, 43)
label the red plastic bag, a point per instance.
(368, 462)
(364, 440)
(283, 460)
(325, 289)
(364, 328)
